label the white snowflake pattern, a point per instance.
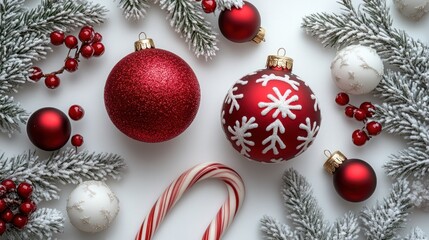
(316, 102)
(242, 82)
(311, 130)
(232, 99)
(277, 160)
(277, 127)
(281, 103)
(241, 131)
(267, 78)
(223, 117)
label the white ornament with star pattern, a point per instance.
(92, 206)
(357, 69)
(412, 9)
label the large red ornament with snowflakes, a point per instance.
(271, 115)
(152, 95)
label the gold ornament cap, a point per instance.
(280, 60)
(260, 37)
(334, 161)
(144, 43)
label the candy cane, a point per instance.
(174, 192)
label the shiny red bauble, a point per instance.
(271, 115)
(152, 95)
(355, 180)
(48, 129)
(240, 24)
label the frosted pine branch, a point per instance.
(384, 220)
(186, 18)
(11, 115)
(228, 4)
(345, 228)
(134, 9)
(303, 210)
(65, 167)
(416, 234)
(274, 230)
(42, 225)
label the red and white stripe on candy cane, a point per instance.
(174, 192)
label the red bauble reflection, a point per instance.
(48, 129)
(152, 95)
(240, 25)
(355, 180)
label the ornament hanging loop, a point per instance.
(280, 51)
(327, 153)
(144, 43)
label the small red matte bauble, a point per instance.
(271, 115)
(151, 95)
(354, 179)
(241, 24)
(48, 129)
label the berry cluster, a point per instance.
(76, 113)
(361, 114)
(16, 205)
(90, 46)
(208, 6)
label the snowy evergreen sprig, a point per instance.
(386, 218)
(379, 223)
(186, 18)
(24, 39)
(42, 225)
(64, 167)
(403, 90)
(306, 215)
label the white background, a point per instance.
(153, 166)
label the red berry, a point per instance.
(350, 111)
(52, 81)
(98, 49)
(19, 221)
(2, 227)
(7, 215)
(24, 190)
(373, 128)
(71, 64)
(9, 184)
(76, 112)
(77, 140)
(87, 28)
(87, 51)
(359, 137)
(97, 38)
(3, 205)
(209, 6)
(86, 35)
(71, 41)
(3, 190)
(342, 99)
(368, 108)
(360, 114)
(33, 204)
(35, 74)
(57, 38)
(26, 208)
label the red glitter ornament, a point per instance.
(242, 24)
(48, 129)
(271, 115)
(151, 95)
(354, 179)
